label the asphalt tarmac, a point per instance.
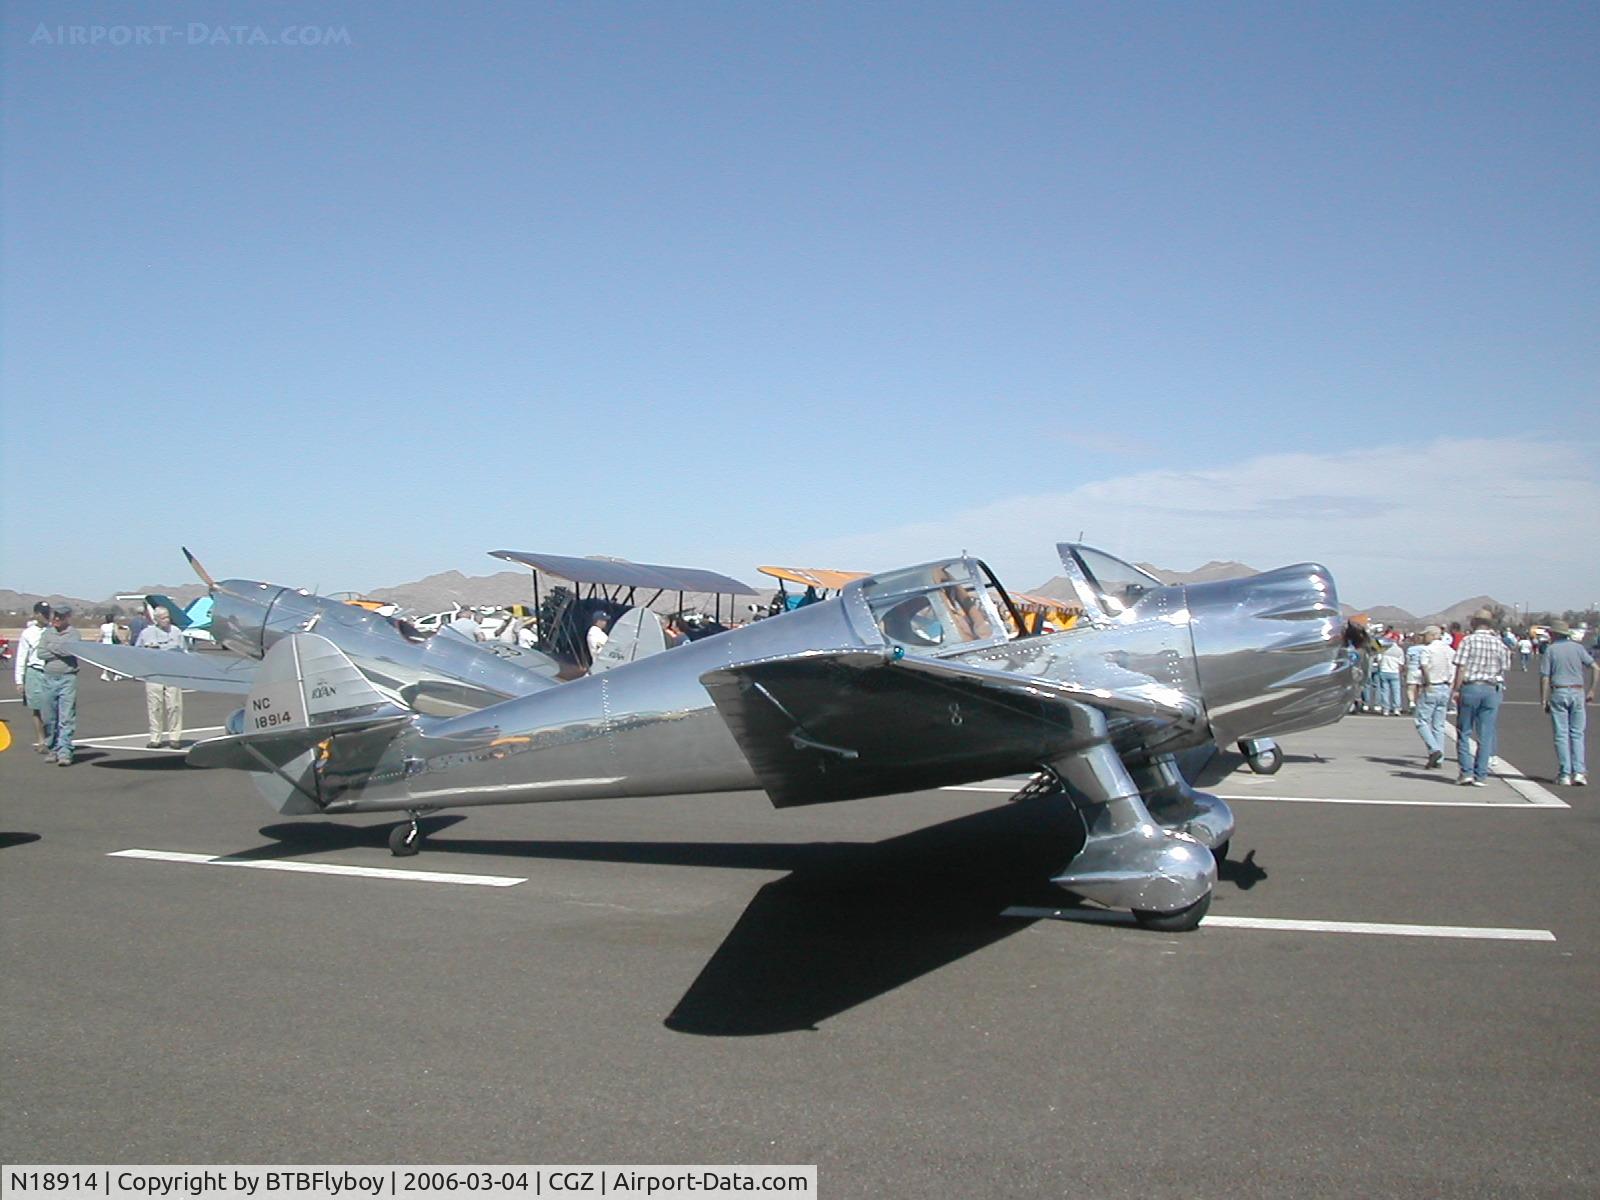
(875, 987)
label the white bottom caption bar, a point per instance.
(389, 1182)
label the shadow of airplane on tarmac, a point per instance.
(143, 762)
(850, 921)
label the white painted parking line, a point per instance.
(12, 700)
(1509, 806)
(305, 868)
(1483, 933)
(1534, 797)
(1096, 916)
(137, 741)
(1515, 779)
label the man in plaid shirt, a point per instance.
(1481, 664)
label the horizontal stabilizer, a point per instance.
(200, 671)
(266, 751)
(836, 725)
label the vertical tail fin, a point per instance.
(306, 694)
(637, 634)
(305, 681)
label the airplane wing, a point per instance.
(208, 672)
(838, 725)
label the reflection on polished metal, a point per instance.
(908, 680)
(444, 673)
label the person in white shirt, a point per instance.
(163, 703)
(597, 636)
(1390, 661)
(29, 669)
(1437, 666)
(463, 624)
(108, 637)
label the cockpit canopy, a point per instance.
(936, 609)
(944, 608)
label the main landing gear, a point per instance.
(1155, 861)
(1180, 921)
(406, 840)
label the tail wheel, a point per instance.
(1266, 762)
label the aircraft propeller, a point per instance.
(205, 576)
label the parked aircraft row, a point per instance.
(917, 678)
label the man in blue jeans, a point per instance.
(59, 688)
(1481, 664)
(1566, 684)
(1435, 664)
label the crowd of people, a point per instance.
(45, 671)
(496, 626)
(1426, 673)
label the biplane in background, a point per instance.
(819, 584)
(641, 601)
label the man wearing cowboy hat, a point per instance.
(1566, 684)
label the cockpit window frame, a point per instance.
(866, 605)
(1091, 592)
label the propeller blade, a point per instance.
(205, 576)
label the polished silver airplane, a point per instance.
(908, 680)
(442, 673)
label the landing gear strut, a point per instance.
(1129, 860)
(405, 840)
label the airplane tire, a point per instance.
(1267, 762)
(402, 844)
(1180, 920)
(1220, 853)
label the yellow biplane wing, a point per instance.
(817, 577)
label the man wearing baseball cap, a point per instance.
(1566, 684)
(60, 690)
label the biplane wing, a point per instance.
(817, 577)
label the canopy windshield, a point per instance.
(1115, 584)
(935, 609)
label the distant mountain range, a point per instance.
(436, 592)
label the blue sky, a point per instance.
(725, 284)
